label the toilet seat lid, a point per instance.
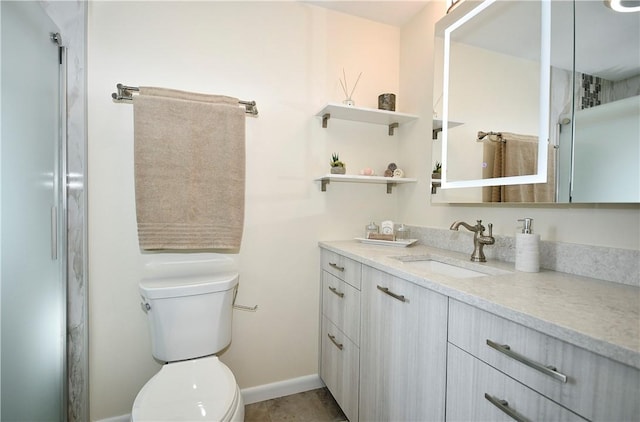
(195, 390)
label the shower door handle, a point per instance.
(54, 232)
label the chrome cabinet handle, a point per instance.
(547, 370)
(336, 266)
(333, 340)
(504, 406)
(336, 292)
(385, 290)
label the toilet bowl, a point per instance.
(194, 390)
(189, 321)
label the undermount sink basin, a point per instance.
(447, 266)
(444, 269)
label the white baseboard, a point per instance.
(281, 388)
(261, 392)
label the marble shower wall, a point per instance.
(71, 19)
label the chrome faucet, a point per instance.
(479, 238)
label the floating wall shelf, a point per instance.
(391, 119)
(437, 127)
(389, 181)
(435, 183)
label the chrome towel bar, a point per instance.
(125, 94)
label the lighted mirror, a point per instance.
(496, 82)
(490, 77)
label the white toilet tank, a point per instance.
(189, 317)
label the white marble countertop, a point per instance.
(600, 316)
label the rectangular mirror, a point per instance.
(491, 73)
(606, 116)
(496, 81)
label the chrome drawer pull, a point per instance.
(336, 292)
(547, 370)
(393, 295)
(336, 266)
(333, 340)
(504, 406)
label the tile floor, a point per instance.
(310, 406)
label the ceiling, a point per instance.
(395, 13)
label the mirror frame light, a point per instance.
(619, 7)
(544, 98)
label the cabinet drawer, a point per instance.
(344, 268)
(339, 368)
(469, 380)
(596, 387)
(341, 305)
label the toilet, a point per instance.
(190, 321)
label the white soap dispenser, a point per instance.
(527, 248)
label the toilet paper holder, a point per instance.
(245, 308)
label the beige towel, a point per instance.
(496, 169)
(521, 158)
(189, 170)
(518, 156)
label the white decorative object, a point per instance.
(386, 227)
(527, 248)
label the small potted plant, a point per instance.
(437, 171)
(337, 166)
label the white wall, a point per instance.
(288, 57)
(603, 225)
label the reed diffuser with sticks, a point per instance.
(345, 88)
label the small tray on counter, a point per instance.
(398, 243)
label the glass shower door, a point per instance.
(32, 306)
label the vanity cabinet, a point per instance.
(392, 350)
(588, 384)
(340, 331)
(402, 350)
(383, 343)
